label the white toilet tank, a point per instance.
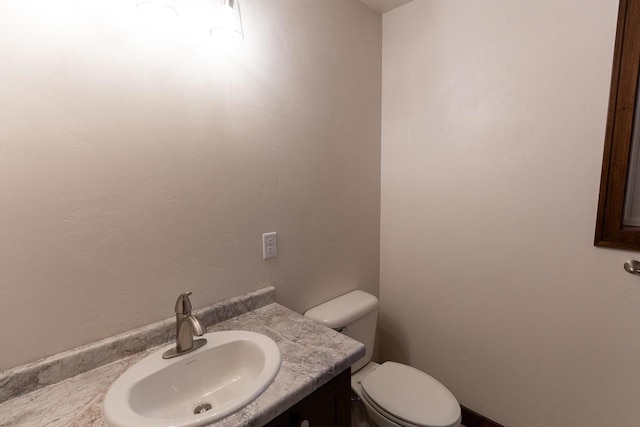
(354, 314)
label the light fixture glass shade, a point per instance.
(158, 9)
(227, 21)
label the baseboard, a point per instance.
(473, 419)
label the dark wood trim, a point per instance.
(622, 104)
(473, 419)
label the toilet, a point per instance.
(393, 394)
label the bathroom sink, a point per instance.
(195, 389)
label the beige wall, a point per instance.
(136, 163)
(493, 127)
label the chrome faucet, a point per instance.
(187, 325)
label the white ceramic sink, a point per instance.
(229, 372)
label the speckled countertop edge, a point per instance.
(311, 356)
(51, 370)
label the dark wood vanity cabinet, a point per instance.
(328, 406)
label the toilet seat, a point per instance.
(410, 397)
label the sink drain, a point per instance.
(202, 408)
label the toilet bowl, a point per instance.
(394, 395)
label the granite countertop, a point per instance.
(311, 356)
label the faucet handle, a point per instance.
(183, 304)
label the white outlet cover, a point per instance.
(269, 245)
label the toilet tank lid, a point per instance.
(343, 310)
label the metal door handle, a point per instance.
(632, 266)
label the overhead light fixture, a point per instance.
(158, 9)
(227, 24)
